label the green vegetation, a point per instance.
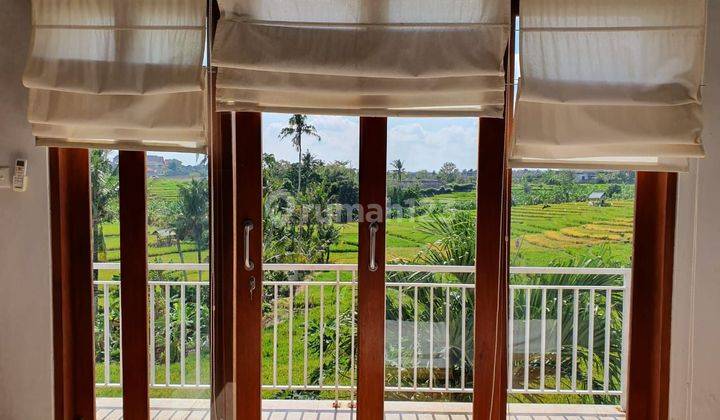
(540, 234)
(104, 186)
(309, 218)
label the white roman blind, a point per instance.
(610, 84)
(123, 74)
(362, 57)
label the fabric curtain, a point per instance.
(610, 84)
(118, 73)
(362, 57)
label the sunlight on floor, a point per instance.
(187, 409)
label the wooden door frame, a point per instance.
(72, 283)
(221, 172)
(652, 283)
(247, 133)
(222, 266)
(134, 286)
(371, 283)
(492, 261)
(490, 319)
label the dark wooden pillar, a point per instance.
(371, 282)
(134, 286)
(72, 287)
(653, 253)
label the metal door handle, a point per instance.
(249, 265)
(373, 238)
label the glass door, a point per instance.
(430, 271)
(309, 296)
(322, 322)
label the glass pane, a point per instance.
(179, 340)
(179, 297)
(106, 277)
(430, 309)
(310, 185)
(571, 248)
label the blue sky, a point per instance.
(421, 143)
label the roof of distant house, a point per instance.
(164, 232)
(597, 195)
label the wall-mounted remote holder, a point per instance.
(14, 177)
(19, 181)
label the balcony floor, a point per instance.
(188, 409)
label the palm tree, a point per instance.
(456, 246)
(191, 220)
(399, 169)
(104, 187)
(589, 260)
(297, 127)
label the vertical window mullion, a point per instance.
(490, 272)
(222, 265)
(652, 278)
(72, 283)
(371, 282)
(134, 285)
(248, 293)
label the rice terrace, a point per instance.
(540, 233)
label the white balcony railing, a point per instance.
(429, 334)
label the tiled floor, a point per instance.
(187, 409)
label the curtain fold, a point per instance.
(382, 57)
(118, 72)
(610, 83)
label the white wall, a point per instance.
(25, 299)
(695, 369)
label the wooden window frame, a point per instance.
(134, 286)
(246, 131)
(73, 291)
(371, 283)
(221, 174)
(652, 283)
(222, 267)
(491, 279)
(72, 284)
(492, 259)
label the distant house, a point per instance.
(585, 176)
(163, 237)
(597, 198)
(156, 165)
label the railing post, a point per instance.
(407, 316)
(627, 298)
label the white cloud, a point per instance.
(428, 143)
(340, 138)
(421, 143)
